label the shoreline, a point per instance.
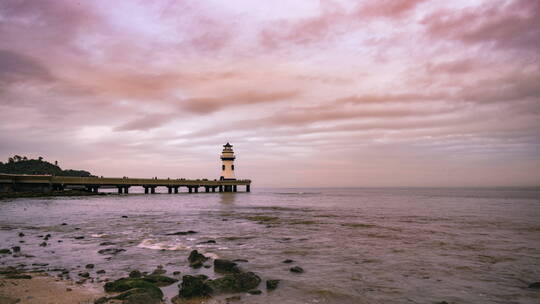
(42, 288)
(8, 195)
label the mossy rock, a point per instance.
(196, 259)
(237, 282)
(126, 284)
(135, 274)
(139, 296)
(272, 284)
(194, 286)
(225, 266)
(159, 280)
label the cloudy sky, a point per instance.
(310, 93)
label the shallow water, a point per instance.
(355, 245)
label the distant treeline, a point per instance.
(23, 165)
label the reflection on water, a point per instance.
(229, 197)
(355, 245)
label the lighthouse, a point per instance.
(227, 166)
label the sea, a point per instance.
(355, 245)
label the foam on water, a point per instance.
(157, 245)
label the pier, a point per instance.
(48, 183)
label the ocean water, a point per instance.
(361, 245)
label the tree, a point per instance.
(11, 160)
(25, 158)
(40, 158)
(17, 158)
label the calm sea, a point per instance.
(361, 245)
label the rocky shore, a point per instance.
(37, 284)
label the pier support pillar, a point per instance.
(119, 190)
(153, 190)
(248, 188)
(213, 189)
(145, 190)
(234, 188)
(169, 190)
(197, 189)
(190, 189)
(220, 188)
(175, 190)
(126, 189)
(206, 189)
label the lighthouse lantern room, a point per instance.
(227, 166)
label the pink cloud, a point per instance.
(512, 25)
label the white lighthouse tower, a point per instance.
(227, 166)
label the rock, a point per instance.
(159, 280)
(63, 224)
(9, 270)
(5, 251)
(272, 284)
(535, 285)
(196, 259)
(18, 276)
(225, 266)
(175, 273)
(100, 271)
(59, 241)
(111, 251)
(106, 244)
(79, 237)
(296, 269)
(288, 261)
(233, 299)
(124, 216)
(193, 286)
(182, 232)
(40, 264)
(255, 292)
(69, 289)
(89, 266)
(16, 249)
(44, 244)
(236, 282)
(159, 271)
(135, 274)
(125, 284)
(47, 237)
(21, 234)
(84, 274)
(8, 300)
(208, 242)
(139, 296)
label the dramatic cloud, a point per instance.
(333, 93)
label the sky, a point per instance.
(328, 93)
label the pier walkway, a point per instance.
(47, 183)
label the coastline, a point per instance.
(8, 195)
(42, 288)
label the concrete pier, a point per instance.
(48, 183)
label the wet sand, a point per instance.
(43, 289)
